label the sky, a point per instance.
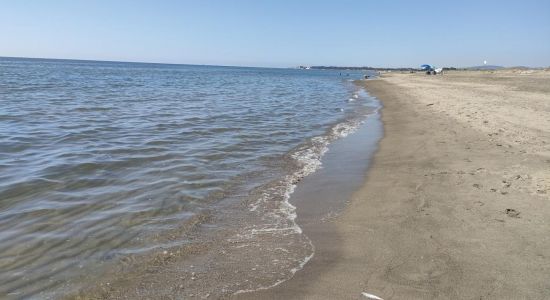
(281, 33)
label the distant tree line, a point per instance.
(374, 69)
(360, 68)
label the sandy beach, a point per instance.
(366, 150)
(456, 204)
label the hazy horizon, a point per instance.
(281, 34)
(274, 67)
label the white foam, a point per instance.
(282, 219)
(303, 263)
(293, 272)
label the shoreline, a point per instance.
(456, 202)
(240, 259)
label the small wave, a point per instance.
(293, 271)
(279, 215)
(280, 219)
(92, 109)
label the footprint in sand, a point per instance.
(422, 272)
(512, 213)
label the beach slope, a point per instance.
(456, 204)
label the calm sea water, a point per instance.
(100, 160)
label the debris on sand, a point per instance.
(371, 296)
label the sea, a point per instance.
(153, 177)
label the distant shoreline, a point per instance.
(475, 68)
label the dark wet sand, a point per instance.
(456, 204)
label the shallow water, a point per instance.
(101, 160)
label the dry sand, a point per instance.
(457, 202)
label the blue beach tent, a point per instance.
(426, 67)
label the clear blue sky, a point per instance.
(280, 33)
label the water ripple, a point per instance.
(101, 159)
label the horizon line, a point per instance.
(140, 62)
(259, 67)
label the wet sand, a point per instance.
(456, 204)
